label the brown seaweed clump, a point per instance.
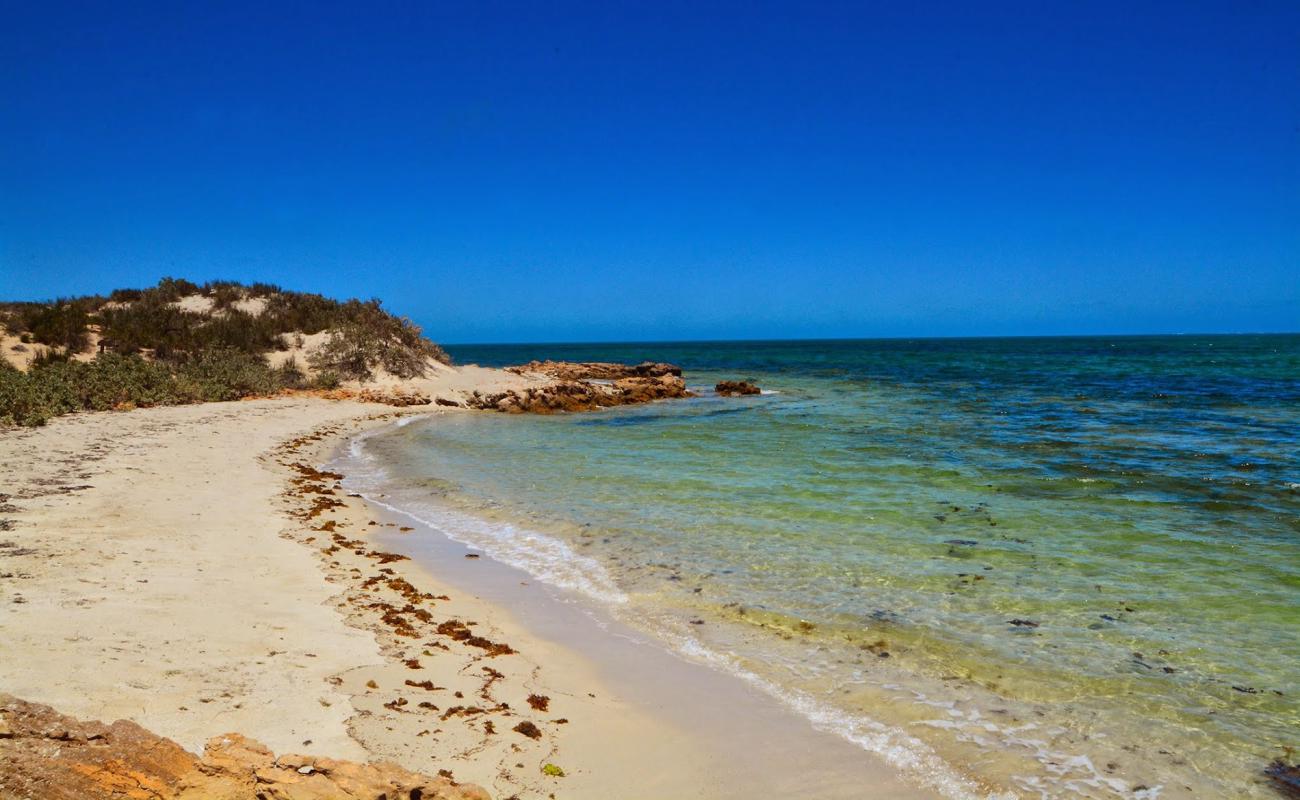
(528, 729)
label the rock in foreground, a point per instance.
(729, 388)
(47, 755)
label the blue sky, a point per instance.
(544, 172)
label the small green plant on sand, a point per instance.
(553, 771)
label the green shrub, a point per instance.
(169, 290)
(48, 357)
(61, 325)
(125, 295)
(195, 356)
(150, 323)
(114, 380)
(18, 404)
(297, 311)
(224, 294)
(371, 338)
(290, 374)
(326, 379)
(227, 374)
(263, 289)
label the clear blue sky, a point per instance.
(540, 171)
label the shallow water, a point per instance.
(1070, 566)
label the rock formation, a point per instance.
(596, 370)
(584, 387)
(46, 755)
(729, 388)
(580, 395)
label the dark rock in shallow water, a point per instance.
(1286, 778)
(729, 388)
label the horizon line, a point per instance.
(867, 338)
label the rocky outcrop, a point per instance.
(581, 395)
(729, 388)
(596, 370)
(393, 397)
(44, 754)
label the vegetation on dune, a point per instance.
(63, 323)
(370, 337)
(156, 350)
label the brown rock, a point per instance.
(596, 370)
(581, 395)
(393, 398)
(585, 386)
(55, 757)
(729, 388)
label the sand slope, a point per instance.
(148, 581)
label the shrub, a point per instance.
(195, 356)
(47, 357)
(263, 289)
(296, 311)
(235, 329)
(371, 338)
(114, 380)
(60, 324)
(169, 290)
(125, 295)
(327, 379)
(150, 323)
(291, 375)
(224, 294)
(227, 374)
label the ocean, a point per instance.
(1068, 566)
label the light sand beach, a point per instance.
(190, 569)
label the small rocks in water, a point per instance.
(1286, 778)
(729, 388)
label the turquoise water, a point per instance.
(1068, 566)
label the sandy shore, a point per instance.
(188, 568)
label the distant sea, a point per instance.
(1070, 566)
